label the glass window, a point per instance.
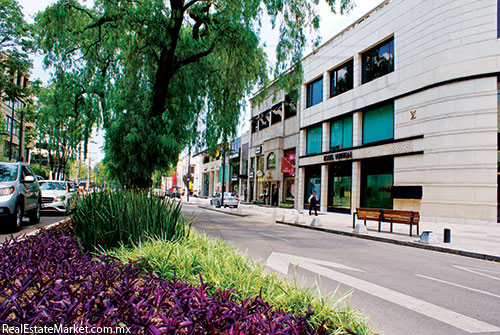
(290, 109)
(276, 114)
(260, 163)
(52, 186)
(314, 140)
(8, 172)
(378, 61)
(289, 189)
(377, 180)
(315, 92)
(339, 188)
(341, 133)
(264, 120)
(312, 182)
(341, 79)
(378, 124)
(252, 164)
(271, 161)
(244, 167)
(254, 125)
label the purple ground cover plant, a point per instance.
(48, 279)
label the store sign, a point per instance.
(341, 156)
(259, 174)
(250, 175)
(233, 156)
(258, 150)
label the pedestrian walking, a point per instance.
(312, 203)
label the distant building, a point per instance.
(12, 140)
(274, 141)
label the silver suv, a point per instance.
(19, 195)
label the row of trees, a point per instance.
(158, 75)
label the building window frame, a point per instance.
(310, 149)
(336, 86)
(373, 58)
(345, 124)
(383, 132)
(314, 92)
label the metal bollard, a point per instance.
(447, 235)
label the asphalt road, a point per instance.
(46, 219)
(402, 290)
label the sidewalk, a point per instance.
(472, 240)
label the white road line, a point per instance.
(441, 314)
(476, 272)
(458, 285)
(276, 237)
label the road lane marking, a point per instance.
(458, 285)
(276, 237)
(476, 272)
(280, 262)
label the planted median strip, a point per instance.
(191, 284)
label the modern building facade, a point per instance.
(401, 110)
(274, 140)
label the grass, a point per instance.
(223, 267)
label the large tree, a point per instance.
(14, 45)
(62, 121)
(159, 69)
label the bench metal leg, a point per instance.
(379, 224)
(411, 228)
(353, 220)
(391, 227)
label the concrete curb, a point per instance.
(404, 243)
(222, 211)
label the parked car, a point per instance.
(230, 200)
(19, 195)
(57, 196)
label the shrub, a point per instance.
(49, 280)
(109, 219)
(283, 205)
(222, 267)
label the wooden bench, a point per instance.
(387, 215)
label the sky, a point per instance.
(330, 25)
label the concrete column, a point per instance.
(326, 87)
(356, 186)
(356, 67)
(300, 188)
(325, 137)
(357, 129)
(302, 142)
(324, 188)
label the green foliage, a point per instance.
(158, 72)
(14, 44)
(222, 267)
(283, 205)
(110, 219)
(41, 170)
(63, 123)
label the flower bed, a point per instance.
(49, 280)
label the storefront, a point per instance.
(377, 179)
(288, 170)
(339, 187)
(312, 183)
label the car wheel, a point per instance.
(17, 219)
(34, 215)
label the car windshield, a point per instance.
(8, 172)
(228, 194)
(52, 186)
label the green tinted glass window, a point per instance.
(341, 133)
(378, 124)
(313, 140)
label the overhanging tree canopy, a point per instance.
(159, 69)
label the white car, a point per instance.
(56, 195)
(230, 200)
